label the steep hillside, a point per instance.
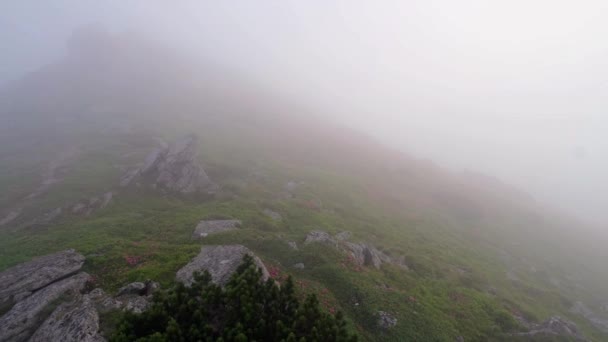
(406, 250)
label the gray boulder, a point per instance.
(24, 315)
(206, 227)
(299, 266)
(176, 169)
(20, 281)
(386, 320)
(320, 237)
(362, 253)
(220, 261)
(76, 321)
(135, 297)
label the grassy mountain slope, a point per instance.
(478, 251)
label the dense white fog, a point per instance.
(516, 89)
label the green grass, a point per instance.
(445, 294)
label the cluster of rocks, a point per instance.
(220, 261)
(362, 253)
(46, 299)
(206, 227)
(172, 168)
(581, 309)
(83, 207)
(554, 327)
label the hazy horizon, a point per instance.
(478, 85)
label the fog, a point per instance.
(516, 89)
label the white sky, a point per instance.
(516, 89)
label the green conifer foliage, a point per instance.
(246, 309)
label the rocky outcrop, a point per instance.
(555, 326)
(319, 236)
(76, 321)
(581, 309)
(172, 168)
(362, 254)
(206, 227)
(22, 280)
(24, 315)
(366, 255)
(386, 320)
(220, 261)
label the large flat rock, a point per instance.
(20, 281)
(76, 321)
(207, 227)
(220, 261)
(24, 315)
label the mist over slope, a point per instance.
(71, 130)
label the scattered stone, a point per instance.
(459, 339)
(293, 245)
(299, 266)
(581, 309)
(24, 315)
(366, 255)
(273, 215)
(20, 281)
(135, 297)
(343, 236)
(71, 322)
(386, 320)
(361, 253)
(207, 227)
(220, 261)
(555, 326)
(319, 236)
